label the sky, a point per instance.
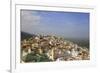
(65, 24)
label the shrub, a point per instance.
(37, 58)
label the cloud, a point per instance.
(29, 19)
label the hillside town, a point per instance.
(48, 48)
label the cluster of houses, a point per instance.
(55, 48)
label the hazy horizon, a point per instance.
(67, 24)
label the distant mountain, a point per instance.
(81, 42)
(25, 35)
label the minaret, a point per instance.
(52, 54)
